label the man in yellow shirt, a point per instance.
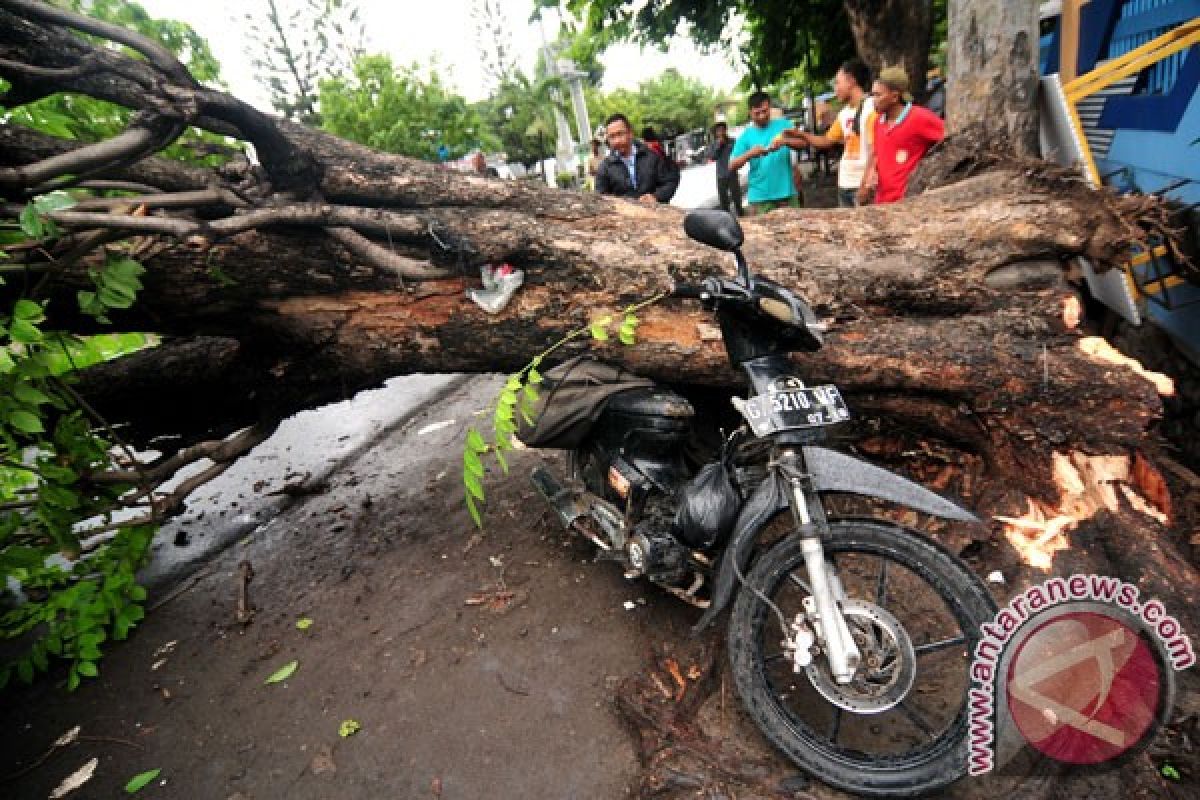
(852, 128)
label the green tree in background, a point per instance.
(670, 102)
(520, 116)
(401, 110)
(295, 44)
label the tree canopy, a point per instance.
(403, 110)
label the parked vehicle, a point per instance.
(849, 638)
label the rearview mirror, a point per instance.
(714, 228)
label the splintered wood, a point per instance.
(1087, 484)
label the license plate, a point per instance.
(789, 405)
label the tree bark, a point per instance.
(891, 33)
(992, 80)
(329, 268)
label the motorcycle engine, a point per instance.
(655, 553)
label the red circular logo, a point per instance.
(1083, 688)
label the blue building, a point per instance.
(1133, 119)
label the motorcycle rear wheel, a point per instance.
(920, 744)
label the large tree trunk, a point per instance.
(992, 80)
(332, 267)
(894, 33)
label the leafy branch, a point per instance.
(520, 395)
(73, 589)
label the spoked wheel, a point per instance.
(900, 726)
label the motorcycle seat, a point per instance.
(651, 402)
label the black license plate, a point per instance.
(790, 405)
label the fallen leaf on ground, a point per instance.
(304, 623)
(496, 599)
(673, 667)
(137, 782)
(349, 727)
(283, 673)
(322, 763)
(76, 779)
(68, 737)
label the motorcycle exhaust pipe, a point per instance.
(570, 504)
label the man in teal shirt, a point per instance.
(760, 145)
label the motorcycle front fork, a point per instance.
(823, 607)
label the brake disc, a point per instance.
(887, 667)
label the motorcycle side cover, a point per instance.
(830, 471)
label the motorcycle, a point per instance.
(849, 637)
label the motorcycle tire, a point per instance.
(965, 597)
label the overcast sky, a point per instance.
(418, 31)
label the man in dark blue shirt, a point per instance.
(633, 170)
(729, 188)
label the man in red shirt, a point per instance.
(903, 135)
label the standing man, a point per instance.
(729, 188)
(903, 135)
(852, 128)
(761, 146)
(631, 169)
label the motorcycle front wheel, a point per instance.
(915, 610)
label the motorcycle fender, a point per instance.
(830, 471)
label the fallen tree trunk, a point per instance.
(330, 267)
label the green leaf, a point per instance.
(25, 422)
(508, 398)
(29, 395)
(513, 383)
(531, 393)
(72, 681)
(115, 296)
(304, 623)
(599, 332)
(25, 670)
(534, 377)
(349, 727)
(473, 511)
(28, 311)
(87, 668)
(474, 488)
(139, 781)
(1169, 772)
(471, 464)
(31, 222)
(6, 362)
(24, 332)
(627, 337)
(500, 459)
(54, 201)
(475, 441)
(283, 673)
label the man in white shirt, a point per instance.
(852, 128)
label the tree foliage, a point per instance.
(70, 540)
(519, 115)
(87, 119)
(403, 110)
(295, 44)
(779, 35)
(671, 103)
(497, 55)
